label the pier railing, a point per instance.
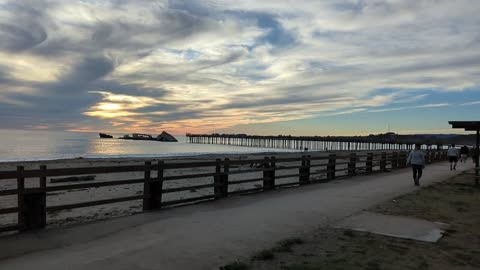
(319, 143)
(217, 179)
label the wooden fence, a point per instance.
(32, 207)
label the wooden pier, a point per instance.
(317, 143)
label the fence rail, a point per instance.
(32, 208)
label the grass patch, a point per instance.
(349, 233)
(282, 246)
(301, 267)
(287, 244)
(264, 255)
(235, 266)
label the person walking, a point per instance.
(416, 158)
(474, 155)
(464, 153)
(452, 154)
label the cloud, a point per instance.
(470, 103)
(411, 107)
(348, 111)
(17, 39)
(86, 71)
(22, 26)
(115, 106)
(191, 65)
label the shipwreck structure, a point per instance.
(163, 137)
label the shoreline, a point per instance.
(175, 156)
(200, 156)
(187, 156)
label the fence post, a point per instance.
(383, 162)
(43, 179)
(369, 163)
(394, 160)
(152, 190)
(38, 203)
(20, 198)
(217, 180)
(31, 205)
(307, 170)
(403, 159)
(405, 156)
(226, 170)
(331, 167)
(428, 157)
(146, 186)
(267, 180)
(158, 185)
(352, 164)
(302, 171)
(272, 172)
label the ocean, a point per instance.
(29, 145)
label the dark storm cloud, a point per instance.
(79, 78)
(54, 112)
(16, 38)
(25, 28)
(64, 99)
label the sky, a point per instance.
(265, 67)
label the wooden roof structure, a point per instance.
(467, 125)
(471, 126)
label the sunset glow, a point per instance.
(308, 68)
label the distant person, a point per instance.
(452, 154)
(416, 158)
(464, 153)
(474, 155)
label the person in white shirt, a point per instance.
(416, 158)
(452, 154)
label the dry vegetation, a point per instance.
(455, 202)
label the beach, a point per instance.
(87, 214)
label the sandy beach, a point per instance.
(126, 208)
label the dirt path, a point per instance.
(206, 236)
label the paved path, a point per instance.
(205, 236)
